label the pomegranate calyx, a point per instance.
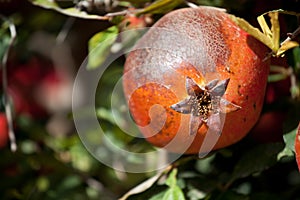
(204, 102)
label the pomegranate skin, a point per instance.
(203, 44)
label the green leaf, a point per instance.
(296, 55)
(158, 196)
(289, 139)
(171, 180)
(174, 193)
(289, 149)
(106, 114)
(73, 12)
(100, 45)
(256, 159)
(285, 153)
(4, 43)
(160, 6)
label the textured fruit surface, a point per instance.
(203, 44)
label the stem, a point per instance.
(281, 70)
(120, 13)
(8, 111)
(292, 36)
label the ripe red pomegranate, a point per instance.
(197, 65)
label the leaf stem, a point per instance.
(8, 111)
(291, 36)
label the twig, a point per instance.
(291, 36)
(190, 4)
(8, 112)
(120, 13)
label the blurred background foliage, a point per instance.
(51, 161)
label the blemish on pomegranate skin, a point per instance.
(227, 69)
(247, 97)
(244, 119)
(238, 90)
(254, 106)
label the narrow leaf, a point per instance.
(286, 46)
(160, 6)
(283, 12)
(255, 32)
(145, 185)
(73, 12)
(264, 26)
(275, 29)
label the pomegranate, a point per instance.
(194, 73)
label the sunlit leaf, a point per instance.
(100, 46)
(297, 146)
(255, 32)
(264, 26)
(286, 46)
(73, 12)
(275, 30)
(171, 180)
(174, 193)
(145, 185)
(269, 37)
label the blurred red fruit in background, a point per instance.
(3, 130)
